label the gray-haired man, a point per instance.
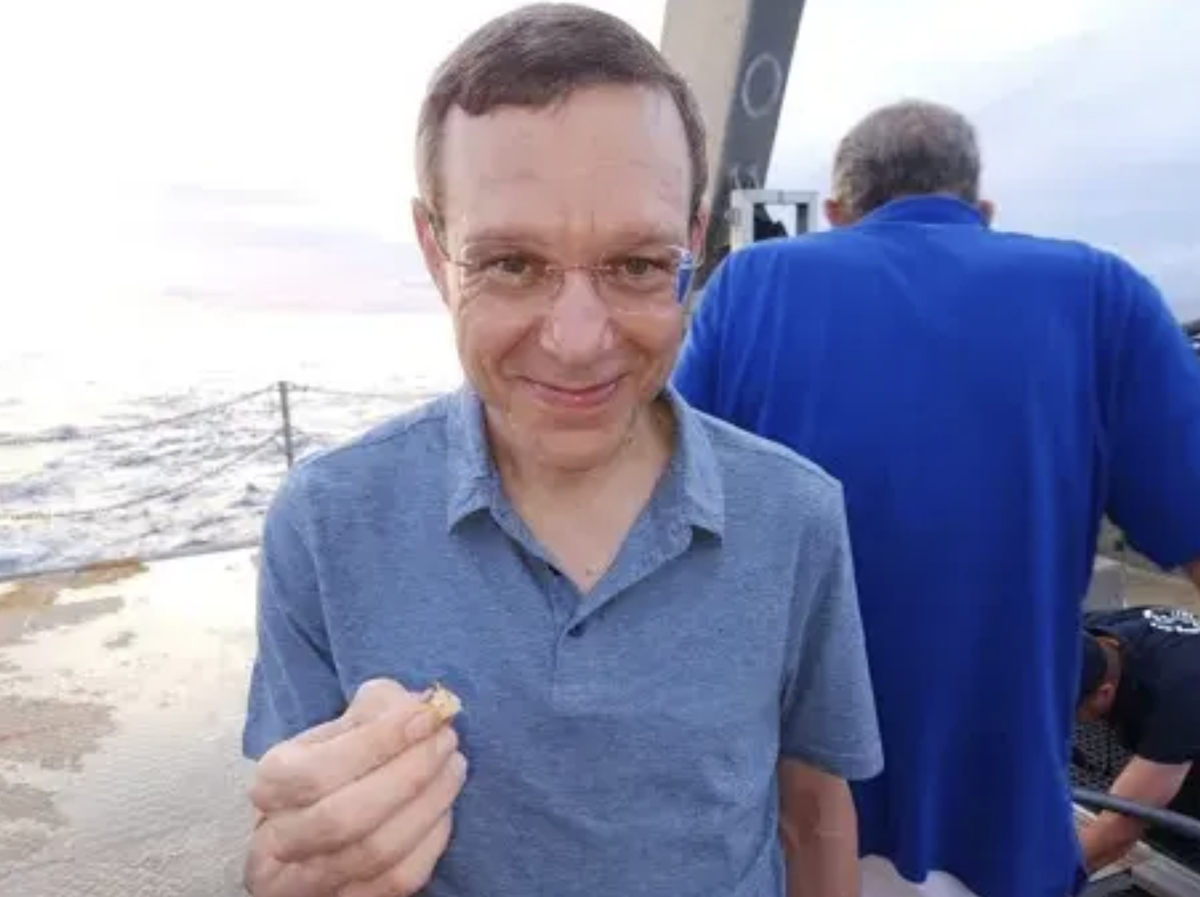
(985, 397)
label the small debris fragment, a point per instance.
(444, 702)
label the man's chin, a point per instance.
(578, 449)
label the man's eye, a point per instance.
(511, 265)
(639, 266)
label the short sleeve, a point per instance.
(1153, 422)
(829, 719)
(293, 683)
(1171, 731)
(697, 372)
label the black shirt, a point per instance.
(1156, 713)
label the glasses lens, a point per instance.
(648, 278)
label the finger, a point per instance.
(325, 731)
(298, 773)
(408, 877)
(377, 697)
(353, 812)
(403, 832)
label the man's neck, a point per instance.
(530, 482)
(582, 517)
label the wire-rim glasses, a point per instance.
(643, 278)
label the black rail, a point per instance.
(1177, 823)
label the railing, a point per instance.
(1176, 823)
(209, 442)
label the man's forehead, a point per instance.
(609, 150)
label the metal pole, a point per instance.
(285, 410)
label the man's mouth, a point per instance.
(575, 397)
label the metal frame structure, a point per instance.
(737, 55)
(743, 204)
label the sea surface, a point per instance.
(116, 439)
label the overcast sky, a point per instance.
(299, 114)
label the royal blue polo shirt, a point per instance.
(622, 742)
(984, 397)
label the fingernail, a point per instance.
(459, 764)
(421, 726)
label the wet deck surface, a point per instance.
(121, 699)
(120, 716)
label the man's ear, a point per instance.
(431, 248)
(987, 209)
(699, 232)
(835, 213)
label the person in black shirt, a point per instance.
(1141, 674)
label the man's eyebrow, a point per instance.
(626, 236)
(505, 234)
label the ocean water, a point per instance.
(96, 462)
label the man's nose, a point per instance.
(578, 326)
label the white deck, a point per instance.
(120, 716)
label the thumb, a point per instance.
(377, 697)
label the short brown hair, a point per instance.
(537, 56)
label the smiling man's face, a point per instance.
(562, 229)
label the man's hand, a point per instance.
(357, 807)
(1107, 838)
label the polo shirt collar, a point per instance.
(692, 488)
(926, 210)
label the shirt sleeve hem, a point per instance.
(857, 767)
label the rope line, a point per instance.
(415, 395)
(10, 440)
(15, 440)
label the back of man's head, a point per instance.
(910, 148)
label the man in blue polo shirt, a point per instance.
(985, 397)
(649, 617)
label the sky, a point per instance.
(154, 144)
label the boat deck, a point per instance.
(121, 699)
(121, 695)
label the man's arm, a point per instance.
(1150, 382)
(293, 684)
(294, 688)
(1108, 837)
(819, 831)
(829, 732)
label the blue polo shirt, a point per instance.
(620, 742)
(984, 397)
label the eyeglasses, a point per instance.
(643, 280)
